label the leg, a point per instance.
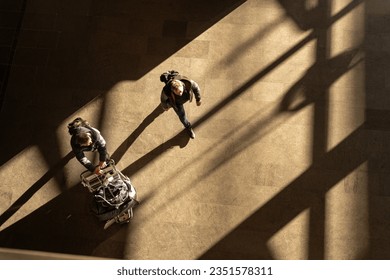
(183, 118)
(182, 115)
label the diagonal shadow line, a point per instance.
(68, 215)
(230, 58)
(290, 202)
(222, 104)
(340, 62)
(181, 140)
(306, 19)
(129, 140)
(34, 188)
(64, 215)
(254, 79)
(296, 187)
(335, 67)
(345, 11)
(186, 28)
(139, 164)
(133, 168)
(269, 68)
(121, 150)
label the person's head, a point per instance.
(84, 139)
(177, 87)
(75, 124)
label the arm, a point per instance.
(196, 90)
(164, 101)
(80, 156)
(86, 162)
(102, 154)
(100, 145)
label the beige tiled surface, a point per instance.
(290, 159)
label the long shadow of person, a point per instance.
(121, 150)
(181, 140)
(320, 76)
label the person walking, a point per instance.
(178, 90)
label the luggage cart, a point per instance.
(114, 196)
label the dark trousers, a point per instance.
(179, 109)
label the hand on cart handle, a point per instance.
(102, 164)
(98, 169)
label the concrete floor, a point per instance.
(291, 158)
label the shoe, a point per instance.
(191, 132)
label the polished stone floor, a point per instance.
(291, 157)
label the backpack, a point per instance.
(168, 76)
(75, 124)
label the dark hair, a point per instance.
(77, 122)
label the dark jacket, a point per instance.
(98, 143)
(169, 99)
